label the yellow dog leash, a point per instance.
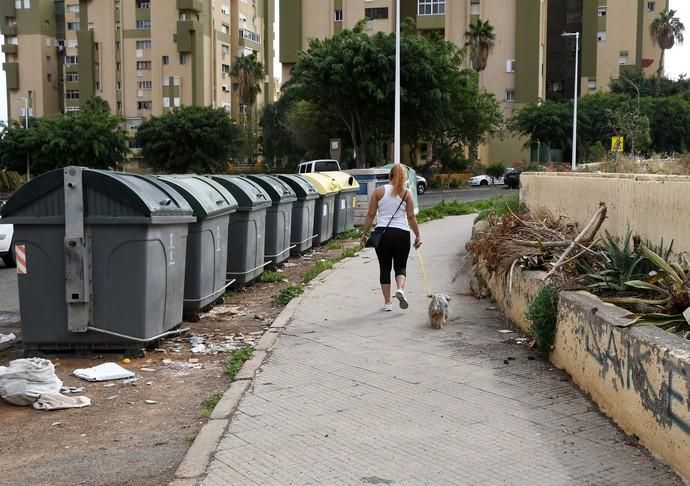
(429, 293)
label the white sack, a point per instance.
(24, 380)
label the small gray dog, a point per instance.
(438, 310)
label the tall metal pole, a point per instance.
(26, 127)
(573, 165)
(396, 138)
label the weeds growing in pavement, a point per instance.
(497, 206)
(287, 294)
(209, 404)
(271, 277)
(236, 359)
(321, 266)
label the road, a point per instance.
(432, 198)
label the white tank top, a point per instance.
(387, 206)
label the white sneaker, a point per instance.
(387, 307)
(400, 295)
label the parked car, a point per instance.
(421, 184)
(7, 242)
(485, 180)
(321, 165)
(512, 178)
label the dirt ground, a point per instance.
(121, 438)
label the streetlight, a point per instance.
(26, 127)
(396, 137)
(577, 52)
(636, 89)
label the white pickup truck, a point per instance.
(6, 242)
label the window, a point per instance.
(73, 9)
(166, 102)
(184, 59)
(431, 7)
(71, 109)
(71, 77)
(475, 8)
(510, 95)
(651, 6)
(225, 28)
(144, 84)
(117, 26)
(322, 166)
(376, 13)
(510, 65)
(72, 94)
(143, 24)
(225, 9)
(592, 84)
(623, 58)
(601, 36)
(601, 11)
(143, 4)
(246, 34)
(71, 59)
(225, 68)
(72, 25)
(72, 43)
(143, 65)
(225, 50)
(17, 3)
(144, 44)
(50, 77)
(118, 106)
(91, 26)
(118, 66)
(117, 45)
(27, 3)
(118, 85)
(338, 16)
(166, 60)
(144, 105)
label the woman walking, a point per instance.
(395, 207)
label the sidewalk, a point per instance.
(352, 396)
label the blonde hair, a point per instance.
(398, 178)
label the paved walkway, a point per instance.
(354, 396)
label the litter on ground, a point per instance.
(103, 372)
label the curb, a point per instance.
(198, 457)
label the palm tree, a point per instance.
(480, 39)
(248, 74)
(666, 30)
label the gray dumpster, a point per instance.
(302, 212)
(278, 217)
(103, 258)
(207, 243)
(247, 229)
(324, 210)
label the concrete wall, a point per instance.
(637, 376)
(653, 206)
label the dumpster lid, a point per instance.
(248, 194)
(345, 181)
(207, 197)
(108, 197)
(302, 187)
(322, 183)
(279, 191)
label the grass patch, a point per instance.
(321, 266)
(270, 276)
(287, 294)
(543, 312)
(236, 359)
(209, 404)
(334, 245)
(353, 234)
(496, 205)
(348, 253)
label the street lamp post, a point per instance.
(26, 127)
(396, 137)
(573, 164)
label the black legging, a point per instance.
(392, 253)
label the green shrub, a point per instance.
(270, 277)
(287, 294)
(496, 170)
(543, 313)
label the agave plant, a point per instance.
(616, 264)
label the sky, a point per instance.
(677, 59)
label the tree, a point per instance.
(96, 104)
(248, 74)
(669, 120)
(666, 30)
(196, 139)
(480, 40)
(86, 138)
(279, 146)
(547, 122)
(496, 171)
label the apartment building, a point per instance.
(143, 57)
(530, 60)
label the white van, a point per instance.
(321, 165)
(7, 243)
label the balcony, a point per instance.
(185, 34)
(8, 30)
(11, 74)
(7, 9)
(10, 48)
(193, 5)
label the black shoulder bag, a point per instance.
(376, 235)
